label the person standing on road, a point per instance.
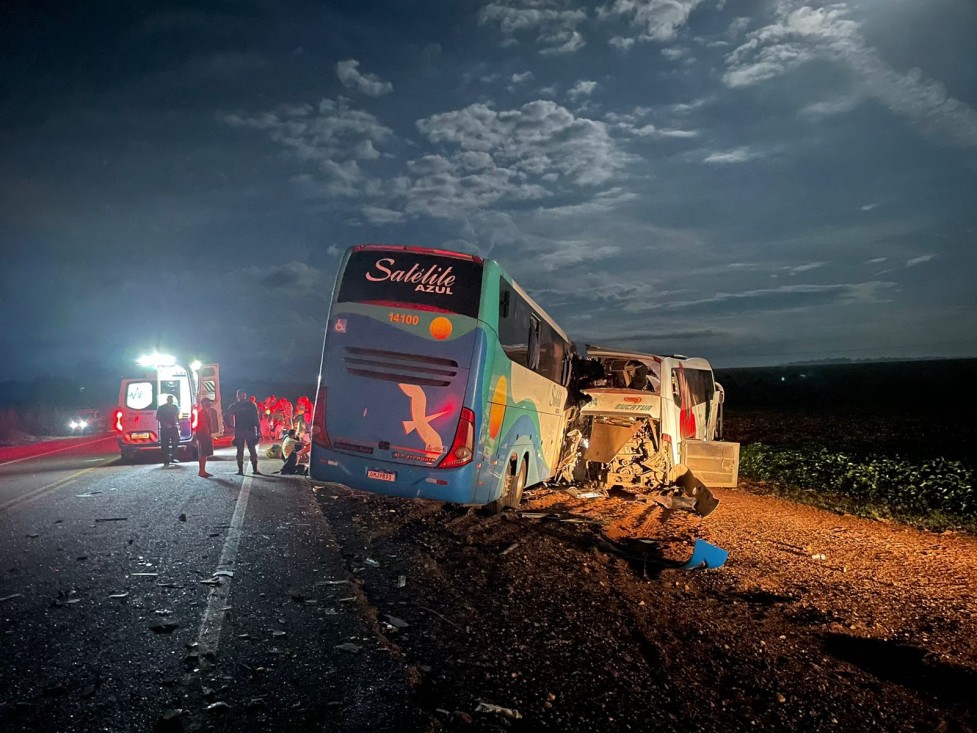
(168, 416)
(247, 430)
(203, 436)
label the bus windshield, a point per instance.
(412, 279)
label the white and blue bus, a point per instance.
(441, 379)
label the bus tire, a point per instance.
(125, 456)
(514, 484)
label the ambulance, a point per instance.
(134, 420)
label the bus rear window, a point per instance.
(417, 279)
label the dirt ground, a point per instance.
(531, 621)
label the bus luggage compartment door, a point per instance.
(715, 463)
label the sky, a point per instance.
(753, 181)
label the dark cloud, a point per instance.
(750, 180)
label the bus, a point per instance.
(440, 378)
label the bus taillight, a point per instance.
(319, 435)
(463, 446)
(117, 422)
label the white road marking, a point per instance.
(36, 493)
(210, 626)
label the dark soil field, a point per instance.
(819, 621)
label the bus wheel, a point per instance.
(515, 482)
(125, 456)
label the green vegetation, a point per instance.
(936, 493)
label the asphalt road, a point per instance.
(134, 597)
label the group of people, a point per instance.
(278, 415)
(248, 428)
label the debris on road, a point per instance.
(372, 563)
(217, 707)
(397, 623)
(210, 581)
(224, 574)
(145, 575)
(87, 494)
(182, 517)
(123, 594)
(510, 548)
(349, 647)
(486, 707)
(111, 519)
(170, 715)
(401, 581)
(11, 597)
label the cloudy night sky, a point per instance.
(754, 181)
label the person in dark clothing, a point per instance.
(168, 416)
(247, 430)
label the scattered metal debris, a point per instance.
(111, 519)
(11, 597)
(349, 647)
(485, 707)
(123, 594)
(510, 548)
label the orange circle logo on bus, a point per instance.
(440, 328)
(632, 399)
(497, 412)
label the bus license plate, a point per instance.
(140, 436)
(381, 475)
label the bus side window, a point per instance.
(513, 324)
(504, 302)
(532, 357)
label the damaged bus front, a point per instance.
(644, 422)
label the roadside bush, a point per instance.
(902, 486)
